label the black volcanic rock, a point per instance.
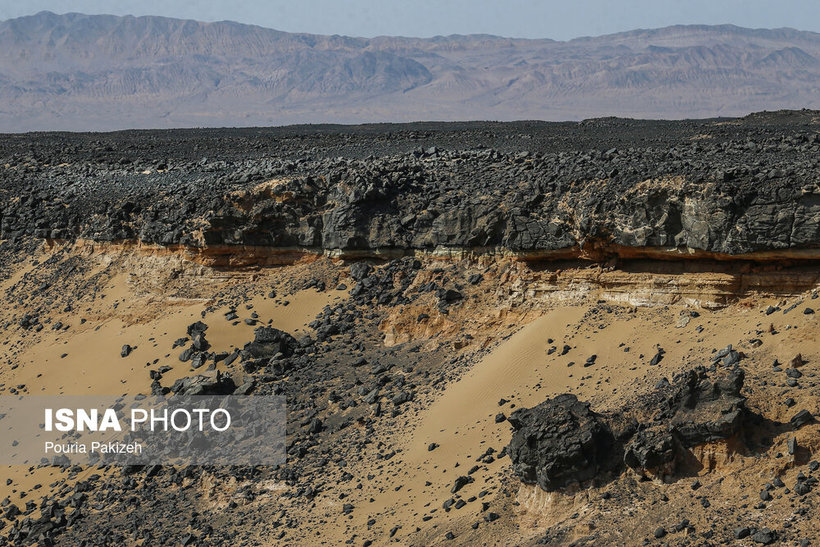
(360, 270)
(196, 329)
(801, 418)
(653, 450)
(559, 442)
(267, 342)
(660, 196)
(697, 409)
(703, 409)
(207, 384)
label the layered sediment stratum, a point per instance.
(597, 189)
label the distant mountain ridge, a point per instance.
(103, 72)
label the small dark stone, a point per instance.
(360, 270)
(460, 483)
(764, 536)
(801, 418)
(794, 373)
(452, 295)
(315, 426)
(742, 532)
(197, 328)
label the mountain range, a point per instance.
(102, 72)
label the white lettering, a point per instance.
(213, 419)
(173, 419)
(163, 420)
(142, 419)
(110, 421)
(200, 412)
(65, 419)
(86, 419)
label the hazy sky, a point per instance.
(559, 20)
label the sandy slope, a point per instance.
(461, 418)
(408, 489)
(85, 359)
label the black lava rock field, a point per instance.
(729, 186)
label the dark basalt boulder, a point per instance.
(360, 270)
(204, 384)
(267, 342)
(653, 450)
(562, 440)
(698, 409)
(197, 328)
(559, 442)
(703, 410)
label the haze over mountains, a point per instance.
(101, 72)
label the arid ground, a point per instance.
(433, 285)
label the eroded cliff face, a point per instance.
(720, 190)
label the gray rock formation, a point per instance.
(752, 186)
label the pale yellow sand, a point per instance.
(461, 419)
(92, 362)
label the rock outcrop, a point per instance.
(699, 410)
(561, 441)
(752, 187)
(267, 342)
